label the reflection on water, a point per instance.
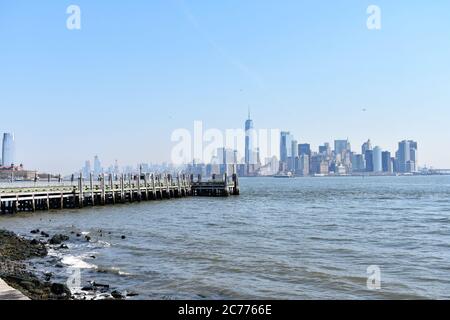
(282, 238)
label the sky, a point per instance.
(138, 70)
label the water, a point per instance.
(300, 238)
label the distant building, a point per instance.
(293, 159)
(386, 161)
(369, 160)
(319, 165)
(303, 165)
(8, 150)
(366, 146)
(325, 149)
(304, 149)
(341, 146)
(97, 166)
(226, 160)
(377, 160)
(407, 156)
(87, 170)
(249, 131)
(285, 146)
(358, 163)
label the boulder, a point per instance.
(58, 239)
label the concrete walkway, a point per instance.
(8, 293)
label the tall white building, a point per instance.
(377, 159)
(8, 150)
(97, 166)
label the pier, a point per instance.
(109, 190)
(8, 293)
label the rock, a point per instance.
(87, 238)
(44, 234)
(35, 231)
(48, 276)
(78, 235)
(63, 246)
(88, 288)
(58, 239)
(117, 295)
(60, 289)
(99, 285)
(16, 248)
(123, 237)
(93, 257)
(132, 294)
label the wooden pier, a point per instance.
(114, 189)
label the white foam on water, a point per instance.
(77, 262)
(121, 273)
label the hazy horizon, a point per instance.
(136, 72)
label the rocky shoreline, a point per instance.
(17, 257)
(14, 270)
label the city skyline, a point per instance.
(289, 148)
(319, 72)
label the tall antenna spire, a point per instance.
(248, 112)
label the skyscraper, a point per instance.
(386, 161)
(358, 164)
(285, 146)
(369, 160)
(97, 166)
(407, 156)
(325, 149)
(87, 169)
(341, 146)
(377, 160)
(249, 154)
(366, 146)
(8, 150)
(293, 158)
(304, 149)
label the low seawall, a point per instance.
(8, 293)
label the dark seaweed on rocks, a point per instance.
(14, 248)
(14, 251)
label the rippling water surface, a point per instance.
(300, 238)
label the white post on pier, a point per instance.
(122, 188)
(102, 184)
(80, 191)
(130, 188)
(139, 183)
(225, 182)
(154, 185)
(111, 187)
(146, 185)
(91, 186)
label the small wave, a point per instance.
(77, 262)
(104, 244)
(113, 270)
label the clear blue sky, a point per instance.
(137, 70)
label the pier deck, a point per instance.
(111, 190)
(8, 293)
